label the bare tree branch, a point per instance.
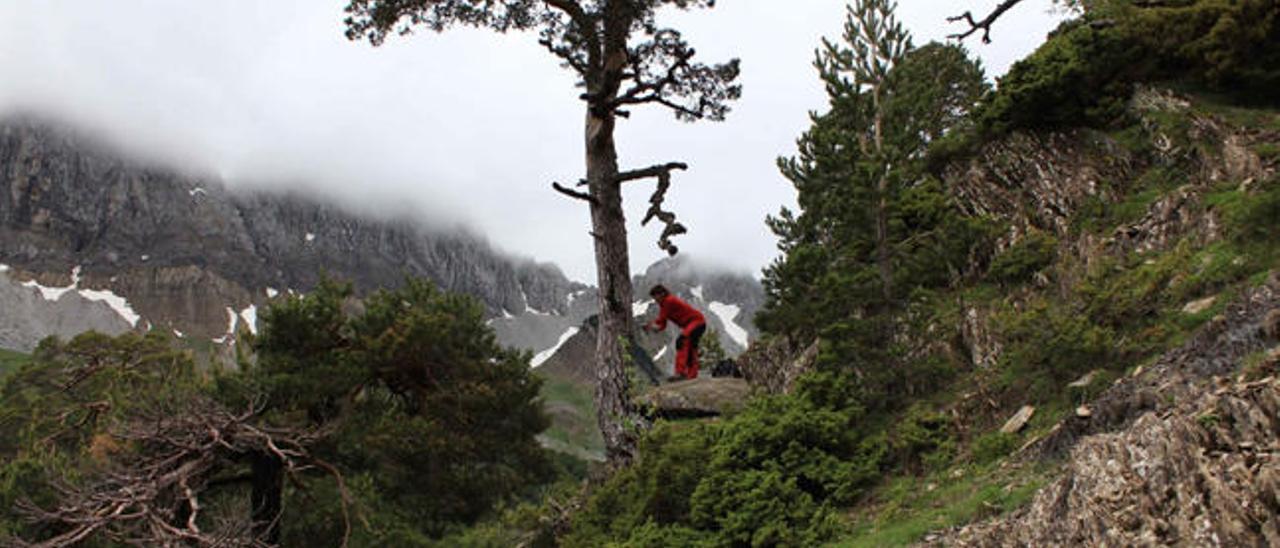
(651, 171)
(673, 228)
(984, 24)
(573, 193)
(152, 497)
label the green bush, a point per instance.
(769, 476)
(1084, 74)
(922, 440)
(1254, 217)
(1022, 260)
(992, 445)
(1049, 346)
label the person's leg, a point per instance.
(682, 363)
(694, 337)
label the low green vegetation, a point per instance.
(903, 509)
(573, 428)
(392, 425)
(10, 361)
(771, 475)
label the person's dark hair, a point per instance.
(658, 290)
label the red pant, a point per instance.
(687, 350)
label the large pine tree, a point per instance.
(623, 58)
(873, 225)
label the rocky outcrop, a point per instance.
(700, 397)
(1205, 473)
(1216, 350)
(1185, 451)
(1039, 181)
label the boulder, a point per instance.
(1018, 420)
(700, 397)
(1200, 305)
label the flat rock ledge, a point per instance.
(700, 397)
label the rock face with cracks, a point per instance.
(1204, 474)
(1181, 453)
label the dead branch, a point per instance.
(984, 24)
(652, 171)
(663, 173)
(574, 193)
(152, 497)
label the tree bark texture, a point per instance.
(613, 277)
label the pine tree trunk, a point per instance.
(882, 207)
(613, 272)
(882, 241)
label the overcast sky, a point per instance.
(466, 127)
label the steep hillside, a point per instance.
(189, 255)
(1041, 314)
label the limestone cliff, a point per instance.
(190, 255)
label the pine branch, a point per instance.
(984, 24)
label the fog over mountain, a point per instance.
(464, 127)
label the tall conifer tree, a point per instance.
(623, 58)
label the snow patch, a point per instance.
(574, 296)
(697, 292)
(48, 293)
(727, 313)
(529, 309)
(546, 354)
(640, 308)
(506, 315)
(197, 190)
(271, 292)
(179, 334)
(232, 319)
(5, 268)
(250, 317)
(116, 302)
(145, 258)
(661, 353)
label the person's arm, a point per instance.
(660, 323)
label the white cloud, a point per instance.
(462, 127)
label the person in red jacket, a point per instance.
(692, 326)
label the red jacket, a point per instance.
(679, 312)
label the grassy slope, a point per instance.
(1137, 299)
(10, 361)
(573, 427)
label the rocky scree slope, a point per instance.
(190, 255)
(1146, 241)
(1180, 453)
